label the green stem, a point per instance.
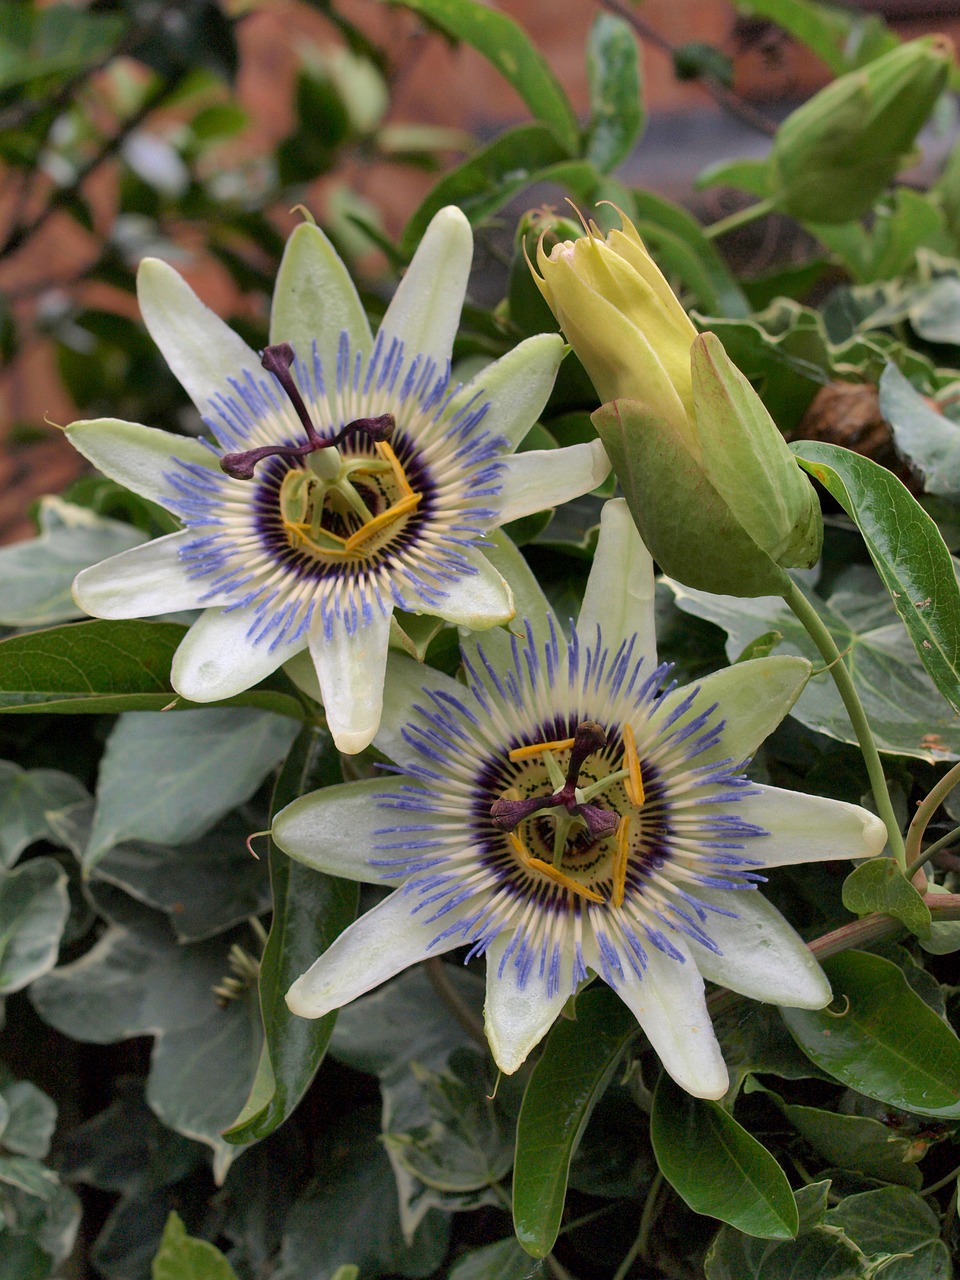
(952, 837)
(842, 678)
(739, 219)
(639, 1247)
(926, 809)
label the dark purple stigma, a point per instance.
(589, 738)
(278, 361)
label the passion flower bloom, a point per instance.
(347, 477)
(569, 811)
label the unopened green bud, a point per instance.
(834, 157)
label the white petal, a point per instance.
(351, 670)
(620, 589)
(200, 349)
(762, 956)
(425, 311)
(529, 601)
(380, 944)
(217, 659)
(670, 1005)
(142, 582)
(479, 600)
(516, 1021)
(516, 387)
(752, 698)
(544, 478)
(315, 299)
(808, 828)
(336, 830)
(139, 458)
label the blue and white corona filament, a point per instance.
(568, 811)
(346, 477)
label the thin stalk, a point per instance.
(952, 837)
(926, 809)
(741, 218)
(639, 1247)
(842, 678)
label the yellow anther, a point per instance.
(537, 864)
(518, 847)
(538, 748)
(620, 862)
(633, 783)
(382, 521)
(400, 475)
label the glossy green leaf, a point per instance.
(887, 1044)
(503, 43)
(929, 441)
(575, 1066)
(180, 1257)
(103, 667)
(29, 798)
(487, 180)
(33, 911)
(893, 1221)
(309, 910)
(907, 549)
(880, 885)
(36, 575)
(617, 114)
(815, 1252)
(731, 1175)
(681, 249)
(906, 712)
(858, 1143)
(168, 779)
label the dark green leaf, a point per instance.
(880, 885)
(858, 1143)
(105, 667)
(617, 115)
(888, 1044)
(489, 177)
(814, 1253)
(309, 910)
(892, 1220)
(180, 1257)
(928, 440)
(349, 1214)
(730, 1175)
(577, 1062)
(507, 46)
(907, 549)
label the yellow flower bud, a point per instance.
(717, 495)
(622, 319)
